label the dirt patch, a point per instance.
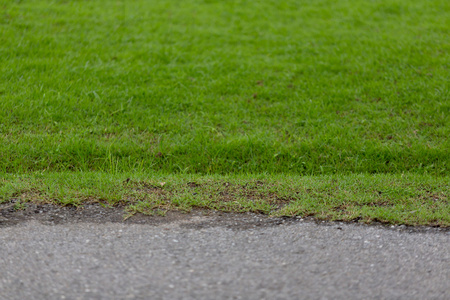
(192, 184)
(50, 214)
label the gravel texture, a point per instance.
(222, 256)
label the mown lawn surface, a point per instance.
(304, 89)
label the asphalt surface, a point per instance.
(200, 258)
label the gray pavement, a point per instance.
(196, 259)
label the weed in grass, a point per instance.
(19, 205)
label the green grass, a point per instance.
(311, 87)
(203, 87)
(399, 199)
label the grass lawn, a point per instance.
(338, 108)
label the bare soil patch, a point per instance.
(50, 214)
